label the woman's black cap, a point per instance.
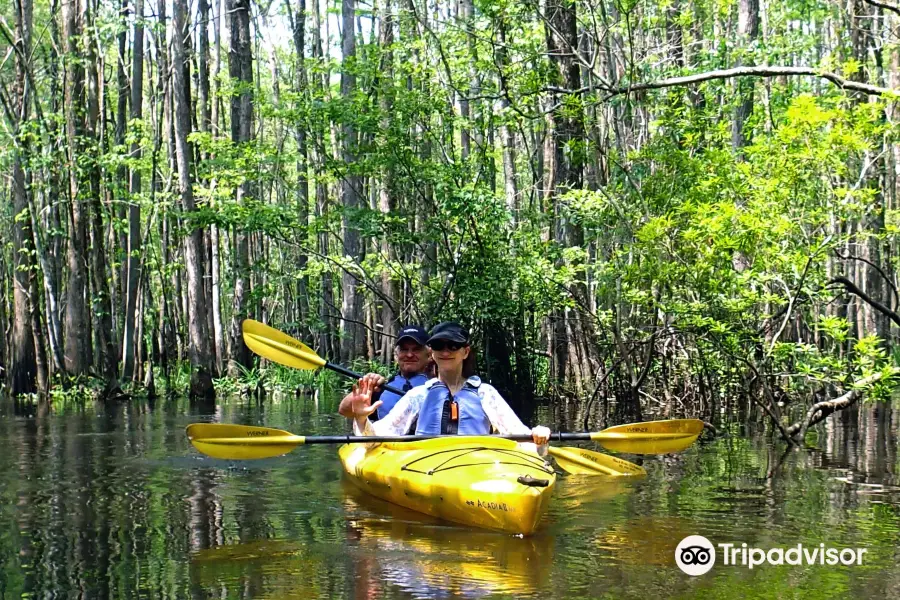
(414, 333)
(449, 331)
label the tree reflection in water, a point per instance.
(111, 501)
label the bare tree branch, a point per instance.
(747, 71)
(884, 5)
(881, 272)
(853, 289)
(793, 298)
(10, 37)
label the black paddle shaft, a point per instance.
(367, 439)
(353, 375)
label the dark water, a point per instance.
(115, 503)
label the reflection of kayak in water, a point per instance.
(644, 540)
(281, 569)
(429, 558)
(591, 498)
(479, 481)
(249, 551)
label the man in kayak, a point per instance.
(454, 402)
(414, 364)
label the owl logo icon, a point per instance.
(695, 555)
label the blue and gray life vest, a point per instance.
(389, 399)
(439, 415)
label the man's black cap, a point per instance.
(414, 333)
(449, 331)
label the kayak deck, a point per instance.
(478, 481)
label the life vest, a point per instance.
(437, 414)
(389, 399)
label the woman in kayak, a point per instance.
(455, 402)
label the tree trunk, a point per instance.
(571, 343)
(471, 133)
(120, 278)
(211, 287)
(37, 328)
(203, 65)
(161, 181)
(22, 375)
(23, 364)
(327, 332)
(463, 14)
(214, 232)
(78, 338)
(55, 176)
(241, 71)
(352, 338)
(870, 225)
(301, 84)
(389, 284)
(507, 135)
(54, 329)
(218, 332)
(748, 33)
(198, 333)
(105, 335)
(134, 259)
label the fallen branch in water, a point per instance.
(819, 411)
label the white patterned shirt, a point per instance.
(404, 413)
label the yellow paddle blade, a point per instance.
(241, 442)
(651, 437)
(579, 461)
(279, 347)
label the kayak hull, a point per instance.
(482, 482)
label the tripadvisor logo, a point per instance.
(696, 555)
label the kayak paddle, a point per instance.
(279, 347)
(239, 442)
(247, 442)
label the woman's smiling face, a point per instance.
(448, 355)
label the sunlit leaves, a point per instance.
(834, 327)
(735, 248)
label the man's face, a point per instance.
(411, 357)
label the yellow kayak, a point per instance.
(478, 481)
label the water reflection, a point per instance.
(643, 541)
(429, 558)
(385, 549)
(112, 501)
(260, 569)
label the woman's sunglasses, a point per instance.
(440, 345)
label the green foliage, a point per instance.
(75, 391)
(723, 245)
